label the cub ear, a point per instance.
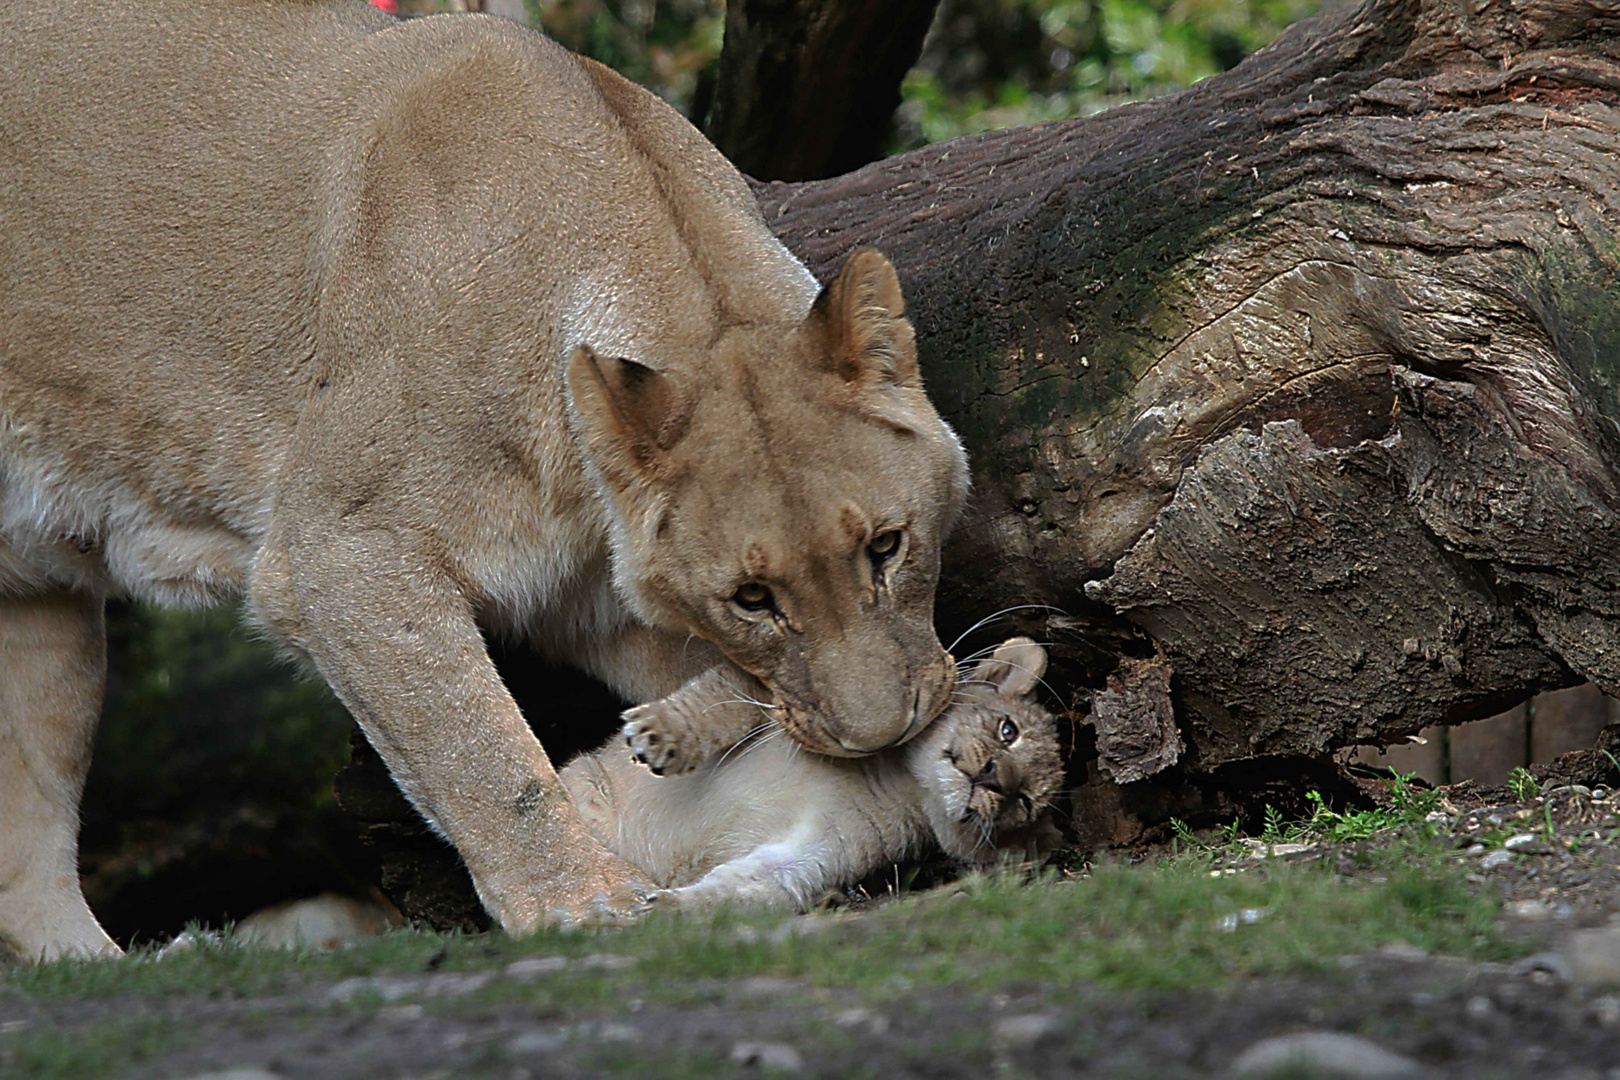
(631, 413)
(1014, 669)
(868, 335)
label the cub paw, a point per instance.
(653, 742)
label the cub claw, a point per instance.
(652, 744)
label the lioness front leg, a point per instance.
(53, 662)
(709, 714)
(388, 628)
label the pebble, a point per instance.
(1480, 1007)
(876, 1023)
(550, 1040)
(534, 967)
(393, 989)
(1027, 1031)
(1606, 1011)
(1527, 909)
(1594, 957)
(1324, 1055)
(603, 961)
(1402, 950)
(767, 1055)
(1495, 859)
(1523, 840)
(1547, 964)
(767, 986)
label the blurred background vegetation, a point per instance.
(986, 63)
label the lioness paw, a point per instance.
(654, 743)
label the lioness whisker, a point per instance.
(996, 615)
(739, 701)
(1027, 671)
(751, 733)
(967, 661)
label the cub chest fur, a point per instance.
(766, 824)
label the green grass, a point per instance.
(1196, 920)
(107, 1048)
(1171, 926)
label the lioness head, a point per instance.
(991, 765)
(785, 498)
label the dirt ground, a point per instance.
(1552, 858)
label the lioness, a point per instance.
(759, 824)
(401, 330)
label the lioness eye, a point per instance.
(884, 544)
(753, 597)
(1009, 732)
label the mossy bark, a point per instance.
(1306, 380)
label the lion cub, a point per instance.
(765, 824)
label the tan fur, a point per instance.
(763, 823)
(402, 330)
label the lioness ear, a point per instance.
(632, 414)
(868, 335)
(1015, 668)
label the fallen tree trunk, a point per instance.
(1301, 387)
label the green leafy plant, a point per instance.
(1523, 785)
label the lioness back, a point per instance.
(324, 185)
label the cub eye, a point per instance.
(753, 597)
(1008, 732)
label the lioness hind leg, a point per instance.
(53, 666)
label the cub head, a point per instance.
(784, 496)
(991, 765)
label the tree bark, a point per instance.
(808, 88)
(1304, 383)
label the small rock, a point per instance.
(1594, 957)
(534, 967)
(1527, 844)
(1606, 1011)
(1027, 1031)
(603, 961)
(876, 1023)
(320, 922)
(247, 1073)
(550, 1040)
(1550, 965)
(765, 1055)
(1324, 1055)
(364, 986)
(1527, 909)
(1495, 859)
(767, 986)
(1402, 950)
(454, 985)
(1480, 1007)
(538, 1042)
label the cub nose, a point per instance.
(987, 779)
